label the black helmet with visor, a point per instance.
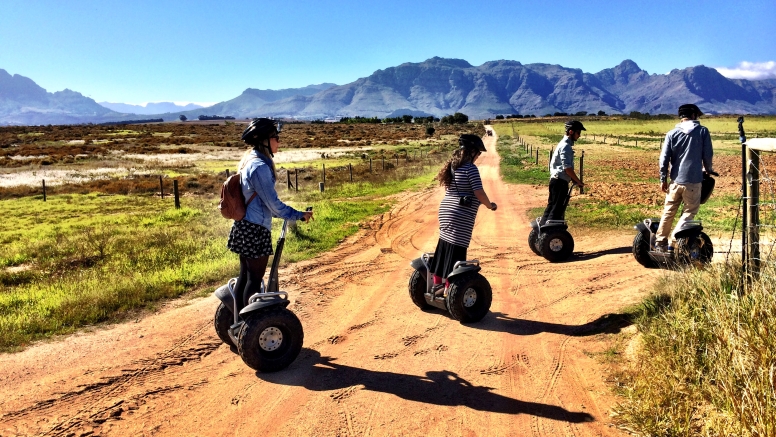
(259, 130)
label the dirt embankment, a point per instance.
(373, 364)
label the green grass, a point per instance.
(517, 166)
(78, 260)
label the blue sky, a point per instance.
(208, 51)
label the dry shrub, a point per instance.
(708, 358)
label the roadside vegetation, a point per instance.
(101, 249)
(706, 358)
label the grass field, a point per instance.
(101, 248)
(622, 184)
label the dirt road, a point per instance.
(373, 364)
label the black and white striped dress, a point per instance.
(456, 222)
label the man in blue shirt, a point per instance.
(562, 172)
(687, 150)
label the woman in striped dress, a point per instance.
(463, 197)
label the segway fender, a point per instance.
(642, 228)
(265, 303)
(223, 294)
(460, 270)
(418, 265)
(689, 233)
(535, 224)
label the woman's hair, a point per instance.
(460, 157)
(263, 149)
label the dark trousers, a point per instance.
(249, 281)
(556, 204)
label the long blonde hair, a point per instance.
(266, 155)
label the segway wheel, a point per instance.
(222, 321)
(271, 339)
(696, 251)
(641, 251)
(556, 246)
(469, 298)
(418, 290)
(533, 239)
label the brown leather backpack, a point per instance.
(233, 204)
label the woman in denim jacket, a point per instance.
(250, 237)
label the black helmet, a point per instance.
(574, 125)
(469, 141)
(259, 130)
(689, 110)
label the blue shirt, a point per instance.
(687, 148)
(562, 158)
(257, 177)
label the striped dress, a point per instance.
(456, 222)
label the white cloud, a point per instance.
(750, 70)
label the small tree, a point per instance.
(460, 118)
(406, 118)
(499, 117)
(601, 113)
(183, 117)
(430, 131)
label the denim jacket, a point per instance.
(257, 177)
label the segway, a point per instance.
(691, 246)
(552, 240)
(467, 297)
(266, 334)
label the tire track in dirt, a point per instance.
(372, 361)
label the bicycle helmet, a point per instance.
(689, 110)
(574, 125)
(259, 130)
(469, 141)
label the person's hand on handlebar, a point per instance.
(308, 214)
(494, 206)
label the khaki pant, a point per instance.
(690, 194)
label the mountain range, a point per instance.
(437, 86)
(149, 108)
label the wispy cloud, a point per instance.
(750, 70)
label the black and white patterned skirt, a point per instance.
(250, 240)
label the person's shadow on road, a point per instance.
(318, 373)
(606, 324)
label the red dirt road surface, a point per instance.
(373, 364)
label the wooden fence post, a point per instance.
(321, 186)
(288, 180)
(227, 173)
(582, 171)
(44, 190)
(161, 187)
(296, 180)
(383, 162)
(537, 156)
(177, 197)
(752, 212)
(350, 168)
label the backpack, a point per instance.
(233, 204)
